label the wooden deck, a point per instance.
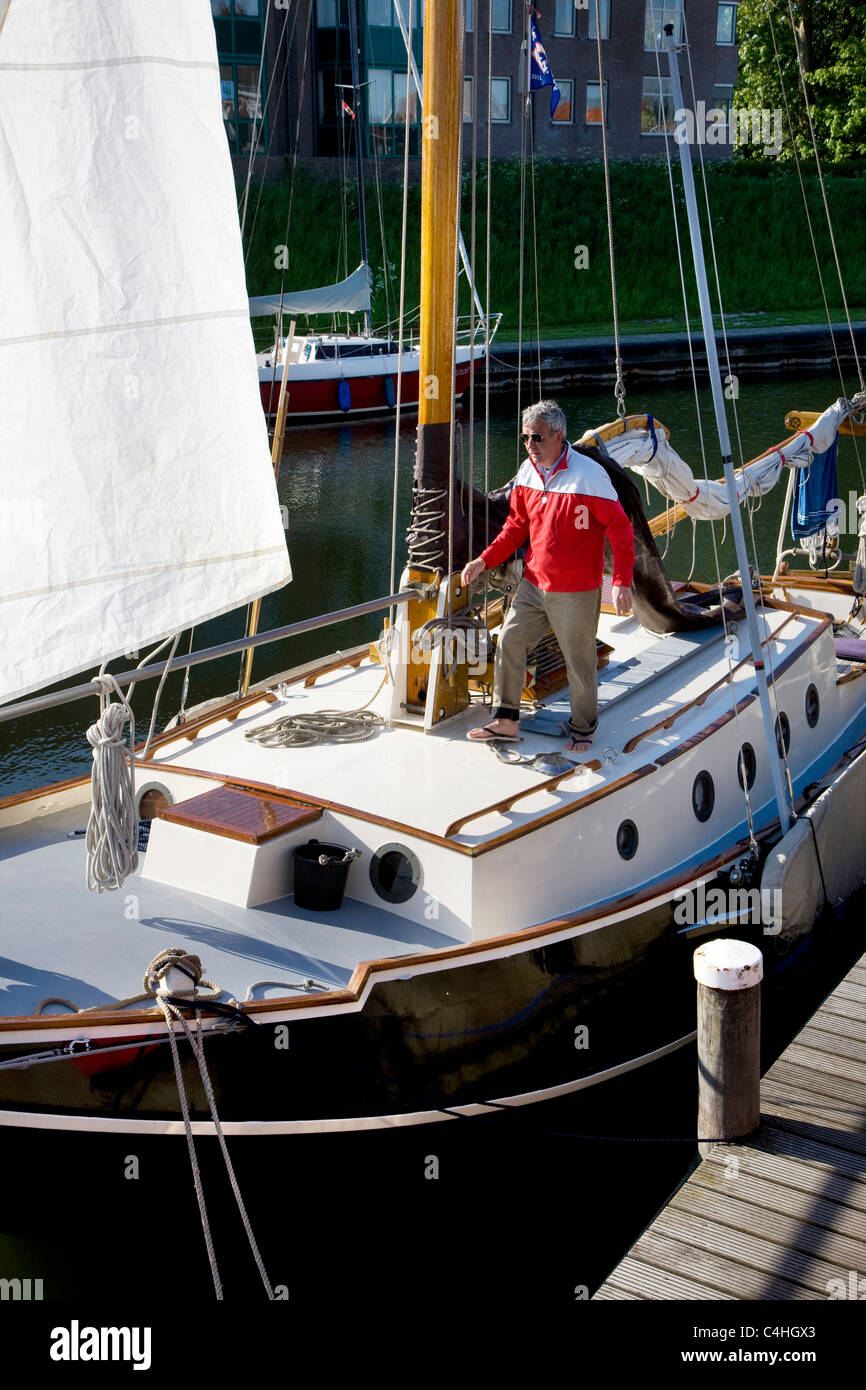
(782, 1214)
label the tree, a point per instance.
(830, 36)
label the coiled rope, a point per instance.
(322, 726)
(112, 830)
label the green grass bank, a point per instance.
(765, 259)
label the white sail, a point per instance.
(137, 490)
(347, 296)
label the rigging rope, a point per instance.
(824, 196)
(693, 368)
(452, 415)
(488, 243)
(524, 116)
(282, 46)
(796, 154)
(473, 214)
(400, 319)
(619, 388)
(256, 134)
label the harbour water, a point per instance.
(336, 489)
(531, 1207)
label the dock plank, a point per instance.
(826, 1085)
(764, 1256)
(636, 1279)
(823, 1195)
(713, 1271)
(821, 1155)
(791, 1233)
(832, 1044)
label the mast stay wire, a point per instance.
(452, 418)
(488, 244)
(728, 643)
(524, 112)
(535, 244)
(282, 46)
(255, 140)
(619, 387)
(824, 197)
(473, 231)
(279, 317)
(759, 593)
(796, 154)
(400, 324)
(760, 598)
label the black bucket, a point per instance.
(320, 874)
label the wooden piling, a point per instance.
(729, 974)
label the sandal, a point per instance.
(487, 734)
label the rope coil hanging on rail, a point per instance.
(112, 830)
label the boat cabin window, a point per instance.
(703, 796)
(748, 762)
(627, 840)
(813, 706)
(783, 733)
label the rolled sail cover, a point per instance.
(137, 489)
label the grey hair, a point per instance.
(549, 412)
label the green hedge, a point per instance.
(765, 259)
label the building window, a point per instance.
(656, 107)
(722, 103)
(604, 19)
(501, 11)
(467, 98)
(242, 104)
(386, 112)
(500, 99)
(564, 113)
(658, 14)
(563, 17)
(380, 13)
(593, 114)
(470, 19)
(326, 14)
(244, 9)
(726, 24)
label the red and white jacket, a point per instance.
(565, 521)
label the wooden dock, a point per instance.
(781, 1215)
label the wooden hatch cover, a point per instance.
(241, 814)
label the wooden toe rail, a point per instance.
(506, 804)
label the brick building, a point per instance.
(306, 76)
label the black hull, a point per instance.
(562, 1015)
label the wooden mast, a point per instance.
(440, 183)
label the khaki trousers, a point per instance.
(574, 619)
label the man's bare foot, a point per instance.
(498, 728)
(578, 745)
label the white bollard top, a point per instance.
(725, 964)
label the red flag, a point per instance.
(348, 110)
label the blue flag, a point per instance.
(539, 68)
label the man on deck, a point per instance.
(563, 502)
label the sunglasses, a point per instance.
(534, 438)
